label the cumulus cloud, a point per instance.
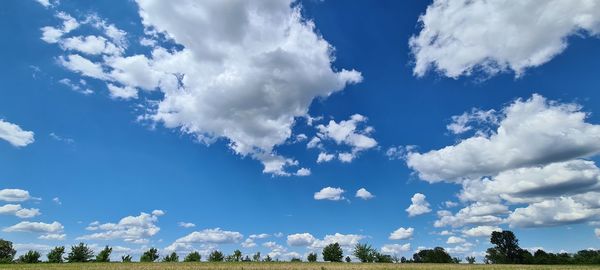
(53, 236)
(248, 243)
(53, 35)
(481, 231)
(402, 233)
(597, 232)
(80, 87)
(459, 37)
(92, 45)
(35, 227)
(325, 157)
(186, 224)
(347, 133)
(300, 239)
(395, 249)
(455, 240)
(19, 211)
(212, 236)
(364, 194)
(329, 193)
(559, 211)
(478, 213)
(13, 134)
(344, 240)
(135, 229)
(418, 206)
(14, 195)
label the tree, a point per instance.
(364, 252)
(470, 259)
(348, 259)
(215, 256)
(256, 257)
(312, 257)
(268, 259)
(171, 258)
(56, 255)
(296, 260)
(192, 257)
(7, 252)
(456, 260)
(80, 253)
(126, 258)
(150, 255)
(31, 256)
(383, 258)
(507, 249)
(237, 255)
(436, 255)
(104, 255)
(333, 253)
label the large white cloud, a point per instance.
(559, 211)
(481, 231)
(300, 239)
(14, 135)
(346, 132)
(135, 229)
(553, 131)
(364, 194)
(475, 214)
(213, 236)
(402, 233)
(330, 193)
(418, 206)
(243, 71)
(459, 37)
(19, 211)
(35, 227)
(14, 195)
(344, 240)
(395, 248)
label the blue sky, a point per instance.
(258, 123)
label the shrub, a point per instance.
(149, 256)
(126, 258)
(216, 256)
(192, 257)
(80, 253)
(312, 257)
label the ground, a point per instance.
(282, 266)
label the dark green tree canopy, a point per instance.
(80, 253)
(436, 255)
(312, 257)
(31, 256)
(506, 249)
(104, 255)
(171, 258)
(333, 253)
(192, 257)
(150, 255)
(365, 253)
(56, 254)
(216, 256)
(126, 258)
(7, 252)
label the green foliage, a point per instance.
(80, 253)
(333, 253)
(436, 255)
(171, 258)
(150, 255)
(192, 257)
(268, 259)
(364, 252)
(31, 256)
(104, 255)
(216, 256)
(507, 249)
(296, 260)
(7, 252)
(348, 259)
(312, 257)
(237, 255)
(470, 259)
(126, 258)
(56, 255)
(383, 258)
(256, 257)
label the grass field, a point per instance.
(282, 266)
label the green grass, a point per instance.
(282, 266)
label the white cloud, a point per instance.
(303, 172)
(481, 231)
(53, 35)
(325, 157)
(450, 204)
(259, 236)
(364, 194)
(554, 132)
(478, 213)
(53, 236)
(45, 3)
(329, 193)
(300, 239)
(80, 87)
(14, 195)
(399, 152)
(35, 227)
(463, 123)
(418, 206)
(126, 92)
(395, 248)
(92, 45)
(597, 232)
(17, 210)
(56, 200)
(559, 211)
(347, 132)
(446, 232)
(186, 224)
(455, 240)
(344, 240)
(84, 66)
(402, 233)
(212, 236)
(135, 229)
(459, 37)
(248, 243)
(14, 135)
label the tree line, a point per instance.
(506, 250)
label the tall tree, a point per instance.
(216, 256)
(333, 253)
(150, 255)
(104, 255)
(436, 255)
(312, 257)
(364, 252)
(56, 255)
(31, 256)
(506, 248)
(237, 255)
(256, 257)
(126, 258)
(171, 258)
(80, 253)
(192, 257)
(7, 252)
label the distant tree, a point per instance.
(246, 259)
(237, 255)
(364, 252)
(456, 260)
(150, 255)
(333, 253)
(7, 252)
(383, 258)
(396, 259)
(436, 255)
(104, 255)
(403, 259)
(80, 253)
(296, 260)
(56, 255)
(506, 249)
(31, 256)
(126, 258)
(192, 257)
(312, 257)
(216, 256)
(348, 259)
(268, 259)
(470, 259)
(256, 257)
(171, 258)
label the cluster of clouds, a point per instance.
(337, 194)
(255, 70)
(135, 229)
(16, 209)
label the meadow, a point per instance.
(281, 266)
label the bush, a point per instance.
(56, 255)
(470, 260)
(171, 258)
(256, 257)
(80, 253)
(296, 260)
(333, 253)
(150, 256)
(104, 255)
(7, 252)
(126, 258)
(31, 256)
(312, 257)
(216, 256)
(348, 259)
(436, 255)
(192, 257)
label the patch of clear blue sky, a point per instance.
(118, 167)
